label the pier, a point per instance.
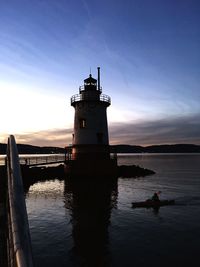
(40, 160)
(15, 237)
(15, 242)
(19, 249)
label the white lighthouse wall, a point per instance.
(90, 123)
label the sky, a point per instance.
(148, 51)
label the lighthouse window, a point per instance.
(82, 123)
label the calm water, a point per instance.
(93, 224)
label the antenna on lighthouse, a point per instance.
(98, 78)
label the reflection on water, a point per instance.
(90, 203)
(69, 221)
(91, 223)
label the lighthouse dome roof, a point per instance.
(90, 80)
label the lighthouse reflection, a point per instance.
(91, 202)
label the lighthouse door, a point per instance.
(100, 138)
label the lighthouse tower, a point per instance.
(90, 142)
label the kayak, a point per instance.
(152, 204)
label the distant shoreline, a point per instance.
(177, 148)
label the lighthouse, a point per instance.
(90, 151)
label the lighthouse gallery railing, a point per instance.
(88, 97)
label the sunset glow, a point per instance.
(149, 58)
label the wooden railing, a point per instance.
(19, 242)
(42, 159)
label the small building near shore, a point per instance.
(89, 154)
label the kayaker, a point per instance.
(155, 197)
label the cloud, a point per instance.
(53, 137)
(163, 131)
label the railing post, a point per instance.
(18, 220)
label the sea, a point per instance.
(91, 222)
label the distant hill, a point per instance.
(29, 149)
(178, 148)
(2, 149)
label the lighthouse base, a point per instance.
(91, 168)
